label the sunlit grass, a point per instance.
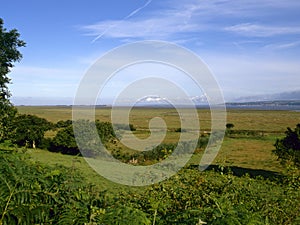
(249, 152)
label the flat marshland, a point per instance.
(247, 151)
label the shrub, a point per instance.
(65, 141)
(288, 148)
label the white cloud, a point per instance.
(125, 18)
(152, 28)
(280, 46)
(256, 30)
(185, 19)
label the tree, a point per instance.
(65, 141)
(9, 53)
(288, 148)
(29, 130)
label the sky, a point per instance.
(252, 47)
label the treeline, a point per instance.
(29, 131)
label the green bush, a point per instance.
(65, 142)
(288, 148)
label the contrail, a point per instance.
(125, 18)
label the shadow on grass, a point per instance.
(240, 171)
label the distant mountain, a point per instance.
(159, 101)
(284, 96)
(200, 99)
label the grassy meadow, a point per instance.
(241, 151)
(244, 185)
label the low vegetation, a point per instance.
(288, 147)
(32, 193)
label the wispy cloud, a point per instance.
(280, 46)
(227, 30)
(112, 25)
(149, 28)
(185, 19)
(161, 24)
(256, 30)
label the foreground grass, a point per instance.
(34, 193)
(245, 153)
(78, 164)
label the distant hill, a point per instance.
(284, 96)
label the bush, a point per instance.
(125, 127)
(229, 125)
(65, 142)
(288, 148)
(63, 123)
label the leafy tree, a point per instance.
(7, 115)
(288, 148)
(9, 53)
(65, 142)
(29, 130)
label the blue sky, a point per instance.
(252, 47)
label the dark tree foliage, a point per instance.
(229, 125)
(7, 115)
(63, 123)
(288, 148)
(105, 130)
(65, 141)
(9, 53)
(29, 130)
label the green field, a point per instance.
(245, 184)
(243, 119)
(244, 151)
